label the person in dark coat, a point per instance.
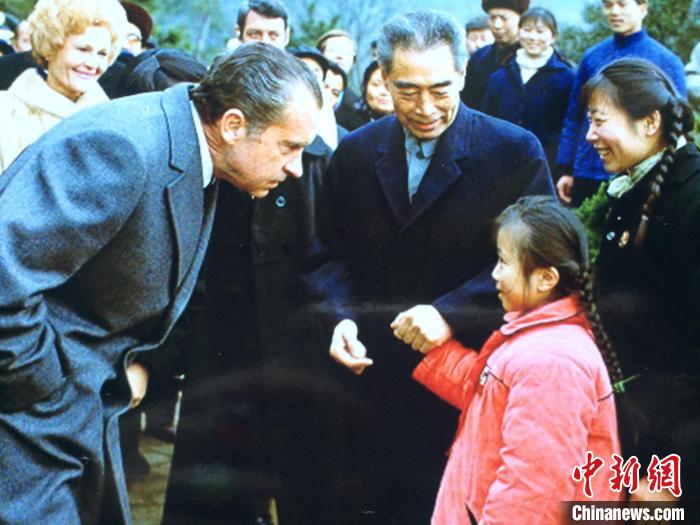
(532, 88)
(649, 263)
(256, 422)
(504, 16)
(376, 101)
(105, 220)
(339, 48)
(409, 196)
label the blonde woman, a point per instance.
(74, 42)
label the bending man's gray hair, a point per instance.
(259, 80)
(422, 30)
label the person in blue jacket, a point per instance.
(532, 88)
(504, 16)
(581, 168)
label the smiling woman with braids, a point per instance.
(649, 264)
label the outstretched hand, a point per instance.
(422, 327)
(347, 349)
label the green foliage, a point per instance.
(308, 29)
(593, 213)
(199, 27)
(674, 23)
(174, 37)
(19, 8)
(573, 40)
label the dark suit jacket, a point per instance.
(480, 67)
(252, 346)
(104, 227)
(387, 255)
(437, 250)
(538, 105)
(345, 114)
(650, 306)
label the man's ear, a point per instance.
(233, 125)
(644, 9)
(237, 32)
(462, 72)
(287, 36)
(547, 279)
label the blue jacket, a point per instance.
(576, 156)
(481, 66)
(539, 105)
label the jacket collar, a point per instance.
(392, 171)
(626, 40)
(499, 53)
(33, 91)
(555, 63)
(688, 153)
(562, 309)
(318, 147)
(181, 129)
(454, 142)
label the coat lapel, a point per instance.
(184, 194)
(513, 72)
(443, 170)
(392, 172)
(186, 217)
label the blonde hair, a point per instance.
(53, 21)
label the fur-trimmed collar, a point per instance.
(33, 91)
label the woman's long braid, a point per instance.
(587, 297)
(673, 122)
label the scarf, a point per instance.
(627, 180)
(529, 66)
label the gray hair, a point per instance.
(259, 80)
(421, 30)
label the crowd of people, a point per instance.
(322, 277)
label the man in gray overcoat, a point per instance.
(104, 223)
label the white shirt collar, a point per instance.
(204, 153)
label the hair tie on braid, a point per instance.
(619, 386)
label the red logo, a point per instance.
(624, 474)
(586, 471)
(663, 474)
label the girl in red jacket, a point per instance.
(538, 395)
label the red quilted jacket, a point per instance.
(534, 400)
